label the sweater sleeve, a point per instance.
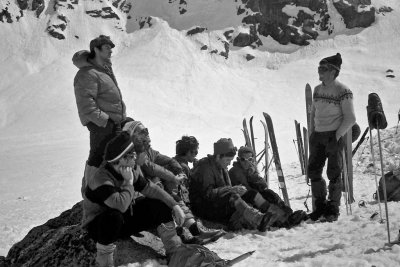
(154, 170)
(153, 191)
(349, 117)
(86, 90)
(121, 200)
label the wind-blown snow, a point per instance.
(175, 88)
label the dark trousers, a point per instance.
(99, 137)
(323, 145)
(111, 225)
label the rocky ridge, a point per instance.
(286, 21)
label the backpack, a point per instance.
(392, 181)
(192, 255)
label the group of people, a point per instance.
(129, 187)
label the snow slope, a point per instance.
(175, 88)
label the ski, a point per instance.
(239, 258)
(300, 146)
(266, 147)
(349, 159)
(360, 141)
(275, 155)
(308, 97)
(387, 246)
(246, 134)
(252, 138)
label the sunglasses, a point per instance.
(248, 159)
(144, 131)
(323, 69)
(195, 152)
(130, 155)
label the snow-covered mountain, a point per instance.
(182, 70)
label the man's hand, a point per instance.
(239, 189)
(127, 174)
(178, 215)
(180, 177)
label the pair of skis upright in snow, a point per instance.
(269, 135)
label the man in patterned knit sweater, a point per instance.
(332, 116)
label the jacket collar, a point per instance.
(116, 175)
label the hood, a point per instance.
(80, 59)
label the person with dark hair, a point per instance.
(98, 98)
(110, 209)
(244, 172)
(332, 115)
(168, 174)
(213, 197)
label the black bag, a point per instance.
(392, 187)
(376, 116)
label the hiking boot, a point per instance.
(316, 214)
(331, 213)
(199, 230)
(186, 236)
(105, 255)
(297, 217)
(267, 221)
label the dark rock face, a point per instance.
(62, 242)
(38, 5)
(195, 30)
(271, 18)
(356, 13)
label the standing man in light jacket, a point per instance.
(332, 115)
(98, 97)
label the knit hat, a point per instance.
(333, 61)
(99, 41)
(130, 126)
(245, 149)
(224, 146)
(117, 147)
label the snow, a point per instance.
(175, 88)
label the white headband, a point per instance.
(122, 153)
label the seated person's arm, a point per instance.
(151, 190)
(107, 194)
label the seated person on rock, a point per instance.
(168, 173)
(244, 172)
(213, 197)
(110, 211)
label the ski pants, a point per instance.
(99, 137)
(146, 214)
(323, 145)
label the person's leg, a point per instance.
(315, 167)
(149, 214)
(334, 170)
(105, 230)
(99, 137)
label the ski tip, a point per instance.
(266, 114)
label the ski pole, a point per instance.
(376, 180)
(398, 114)
(383, 181)
(262, 155)
(346, 182)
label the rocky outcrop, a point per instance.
(288, 21)
(62, 242)
(356, 13)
